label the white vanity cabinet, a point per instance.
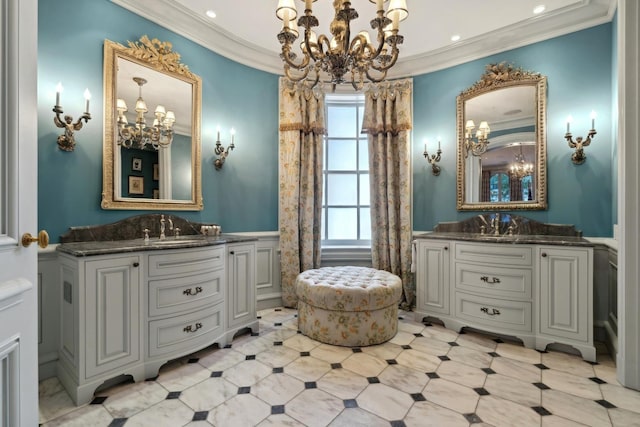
(100, 317)
(241, 289)
(540, 294)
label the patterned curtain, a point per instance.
(485, 189)
(515, 189)
(387, 120)
(300, 176)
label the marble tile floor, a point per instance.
(425, 376)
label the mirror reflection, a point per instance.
(501, 146)
(152, 139)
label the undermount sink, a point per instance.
(174, 242)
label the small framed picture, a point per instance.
(136, 164)
(136, 185)
(156, 193)
(156, 172)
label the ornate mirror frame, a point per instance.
(496, 77)
(157, 56)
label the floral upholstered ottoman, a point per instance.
(348, 306)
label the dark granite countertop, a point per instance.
(81, 249)
(529, 239)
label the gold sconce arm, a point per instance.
(433, 159)
(67, 141)
(579, 157)
(221, 152)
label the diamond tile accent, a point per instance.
(277, 343)
(473, 418)
(118, 422)
(227, 346)
(304, 354)
(255, 334)
(597, 380)
(356, 350)
(443, 358)
(193, 360)
(488, 371)
(398, 423)
(418, 335)
(392, 361)
(310, 384)
(336, 366)
(418, 397)
(98, 400)
(433, 375)
(277, 309)
(174, 394)
(277, 324)
(541, 366)
(244, 390)
(250, 357)
(541, 410)
(406, 347)
(453, 344)
(493, 354)
(277, 409)
(373, 380)
(481, 391)
(350, 403)
(606, 404)
(542, 386)
(258, 317)
(216, 374)
(200, 416)
(278, 370)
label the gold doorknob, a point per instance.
(42, 239)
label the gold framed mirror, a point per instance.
(152, 146)
(501, 150)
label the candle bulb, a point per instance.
(438, 144)
(379, 5)
(569, 120)
(87, 97)
(58, 90)
(218, 130)
(593, 119)
(233, 132)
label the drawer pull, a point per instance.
(544, 254)
(493, 279)
(136, 264)
(192, 328)
(189, 291)
(494, 311)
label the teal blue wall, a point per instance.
(579, 74)
(614, 119)
(241, 197)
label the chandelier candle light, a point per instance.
(578, 157)
(139, 135)
(520, 168)
(433, 159)
(336, 57)
(67, 141)
(220, 150)
(481, 143)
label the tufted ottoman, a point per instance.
(349, 306)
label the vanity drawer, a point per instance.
(183, 261)
(494, 280)
(189, 331)
(500, 254)
(493, 312)
(174, 295)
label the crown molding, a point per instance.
(579, 16)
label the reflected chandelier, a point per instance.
(139, 135)
(519, 169)
(340, 55)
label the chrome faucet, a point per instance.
(162, 236)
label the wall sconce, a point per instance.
(478, 146)
(220, 150)
(433, 159)
(578, 157)
(66, 141)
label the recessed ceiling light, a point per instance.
(538, 9)
(210, 13)
(455, 38)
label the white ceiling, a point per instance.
(245, 30)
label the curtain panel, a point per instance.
(302, 127)
(387, 121)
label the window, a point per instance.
(499, 186)
(346, 219)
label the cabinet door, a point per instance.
(432, 278)
(112, 331)
(241, 278)
(566, 286)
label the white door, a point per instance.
(18, 213)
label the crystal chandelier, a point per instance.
(139, 135)
(481, 142)
(339, 56)
(519, 169)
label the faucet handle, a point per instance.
(146, 235)
(177, 232)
